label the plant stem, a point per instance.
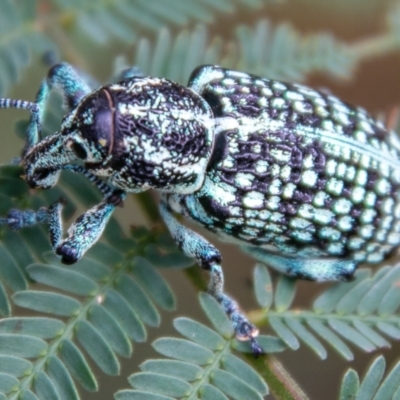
(280, 382)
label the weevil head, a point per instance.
(142, 133)
(41, 162)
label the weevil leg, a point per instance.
(82, 234)
(18, 219)
(209, 258)
(61, 76)
(73, 87)
(323, 269)
(109, 193)
(87, 229)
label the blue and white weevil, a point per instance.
(302, 181)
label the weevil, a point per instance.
(299, 179)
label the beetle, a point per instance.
(299, 179)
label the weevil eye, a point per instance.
(79, 150)
(40, 175)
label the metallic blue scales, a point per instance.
(299, 179)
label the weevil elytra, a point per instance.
(302, 181)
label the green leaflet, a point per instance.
(373, 386)
(179, 369)
(263, 286)
(15, 366)
(345, 313)
(41, 327)
(205, 337)
(19, 38)
(109, 328)
(97, 347)
(198, 367)
(59, 374)
(103, 20)
(104, 316)
(76, 363)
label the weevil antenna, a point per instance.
(24, 105)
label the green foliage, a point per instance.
(63, 324)
(20, 36)
(280, 53)
(102, 303)
(122, 18)
(372, 386)
(362, 313)
(200, 366)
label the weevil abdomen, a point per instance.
(303, 174)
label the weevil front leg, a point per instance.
(209, 258)
(82, 234)
(87, 229)
(18, 219)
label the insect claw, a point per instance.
(116, 198)
(256, 348)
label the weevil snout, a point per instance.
(43, 178)
(37, 174)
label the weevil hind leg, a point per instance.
(322, 269)
(209, 258)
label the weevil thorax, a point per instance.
(143, 133)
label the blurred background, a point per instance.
(351, 48)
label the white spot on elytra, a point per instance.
(253, 199)
(244, 180)
(309, 178)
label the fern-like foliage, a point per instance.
(19, 37)
(279, 52)
(373, 386)
(102, 19)
(275, 52)
(201, 365)
(105, 308)
(103, 302)
(363, 312)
